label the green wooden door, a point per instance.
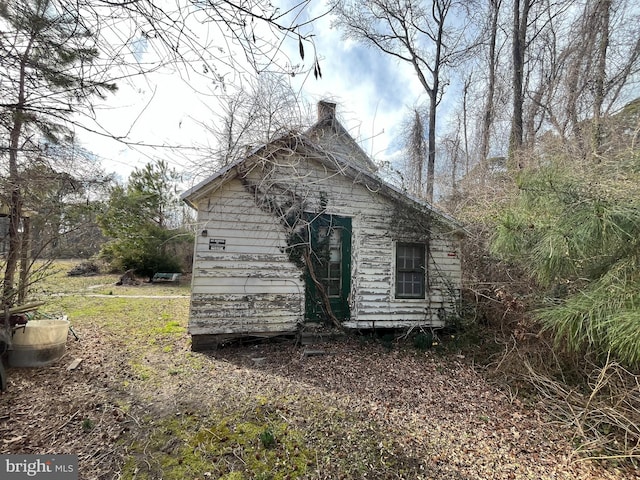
(330, 281)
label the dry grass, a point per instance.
(142, 405)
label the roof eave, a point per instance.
(215, 180)
(355, 171)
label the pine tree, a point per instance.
(47, 72)
(577, 231)
(141, 220)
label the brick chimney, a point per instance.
(326, 110)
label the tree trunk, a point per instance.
(518, 50)
(431, 157)
(487, 118)
(602, 13)
(15, 205)
(442, 10)
(13, 254)
(465, 129)
(417, 152)
(24, 260)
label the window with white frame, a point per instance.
(410, 270)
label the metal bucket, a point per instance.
(39, 343)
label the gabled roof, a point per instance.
(374, 183)
(328, 129)
(338, 151)
(210, 183)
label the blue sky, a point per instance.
(373, 93)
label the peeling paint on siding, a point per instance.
(252, 286)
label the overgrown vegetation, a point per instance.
(42, 94)
(142, 405)
(554, 273)
(577, 234)
(232, 432)
(143, 223)
(220, 446)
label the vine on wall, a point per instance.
(288, 207)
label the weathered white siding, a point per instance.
(378, 222)
(252, 286)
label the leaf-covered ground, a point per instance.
(142, 405)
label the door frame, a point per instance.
(315, 305)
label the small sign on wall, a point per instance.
(217, 244)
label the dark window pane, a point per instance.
(410, 270)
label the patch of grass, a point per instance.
(133, 318)
(141, 371)
(87, 425)
(142, 326)
(219, 447)
(147, 289)
(268, 438)
(233, 476)
(170, 328)
(55, 281)
(255, 438)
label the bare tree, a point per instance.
(551, 45)
(488, 113)
(581, 64)
(416, 148)
(453, 155)
(48, 71)
(464, 121)
(602, 67)
(57, 57)
(429, 36)
(205, 35)
(256, 113)
(519, 44)
(63, 190)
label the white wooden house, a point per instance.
(303, 230)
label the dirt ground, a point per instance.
(425, 415)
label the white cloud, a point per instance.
(372, 90)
